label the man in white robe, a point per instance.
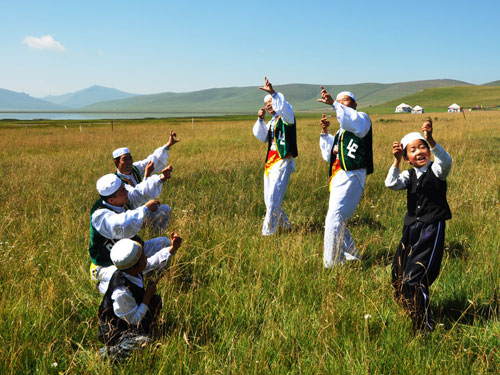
(280, 135)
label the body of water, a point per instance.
(91, 116)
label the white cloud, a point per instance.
(43, 42)
(100, 53)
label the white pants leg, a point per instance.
(159, 219)
(151, 247)
(275, 185)
(344, 198)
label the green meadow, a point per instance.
(236, 302)
(439, 99)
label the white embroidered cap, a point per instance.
(126, 253)
(410, 137)
(340, 95)
(267, 97)
(108, 184)
(120, 151)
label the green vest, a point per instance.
(353, 152)
(100, 246)
(285, 137)
(135, 173)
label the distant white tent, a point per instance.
(454, 108)
(403, 107)
(417, 109)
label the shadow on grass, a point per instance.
(461, 310)
(457, 249)
(366, 222)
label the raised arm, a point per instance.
(351, 120)
(119, 225)
(442, 160)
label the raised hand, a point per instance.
(149, 169)
(325, 97)
(427, 130)
(397, 150)
(325, 123)
(261, 113)
(166, 173)
(176, 242)
(268, 87)
(172, 140)
(153, 205)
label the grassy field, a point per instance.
(235, 302)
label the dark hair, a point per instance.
(405, 154)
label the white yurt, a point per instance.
(417, 109)
(454, 108)
(403, 107)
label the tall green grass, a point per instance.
(236, 302)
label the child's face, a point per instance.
(417, 153)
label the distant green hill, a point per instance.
(19, 101)
(88, 96)
(494, 83)
(438, 99)
(232, 100)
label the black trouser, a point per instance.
(415, 267)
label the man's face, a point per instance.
(125, 163)
(120, 198)
(269, 106)
(348, 102)
(417, 153)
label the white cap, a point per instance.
(120, 151)
(410, 137)
(267, 97)
(108, 184)
(126, 253)
(345, 93)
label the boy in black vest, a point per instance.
(418, 257)
(128, 311)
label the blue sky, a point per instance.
(143, 47)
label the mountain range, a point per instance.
(229, 100)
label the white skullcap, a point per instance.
(410, 137)
(126, 253)
(120, 151)
(267, 97)
(108, 184)
(345, 93)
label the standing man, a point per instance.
(351, 159)
(281, 137)
(132, 174)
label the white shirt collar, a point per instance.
(114, 208)
(420, 171)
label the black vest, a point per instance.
(110, 326)
(285, 138)
(426, 198)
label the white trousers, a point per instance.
(345, 194)
(151, 247)
(159, 219)
(275, 184)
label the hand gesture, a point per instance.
(267, 87)
(172, 140)
(427, 128)
(166, 173)
(325, 97)
(325, 123)
(397, 150)
(262, 113)
(176, 242)
(153, 205)
(149, 169)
